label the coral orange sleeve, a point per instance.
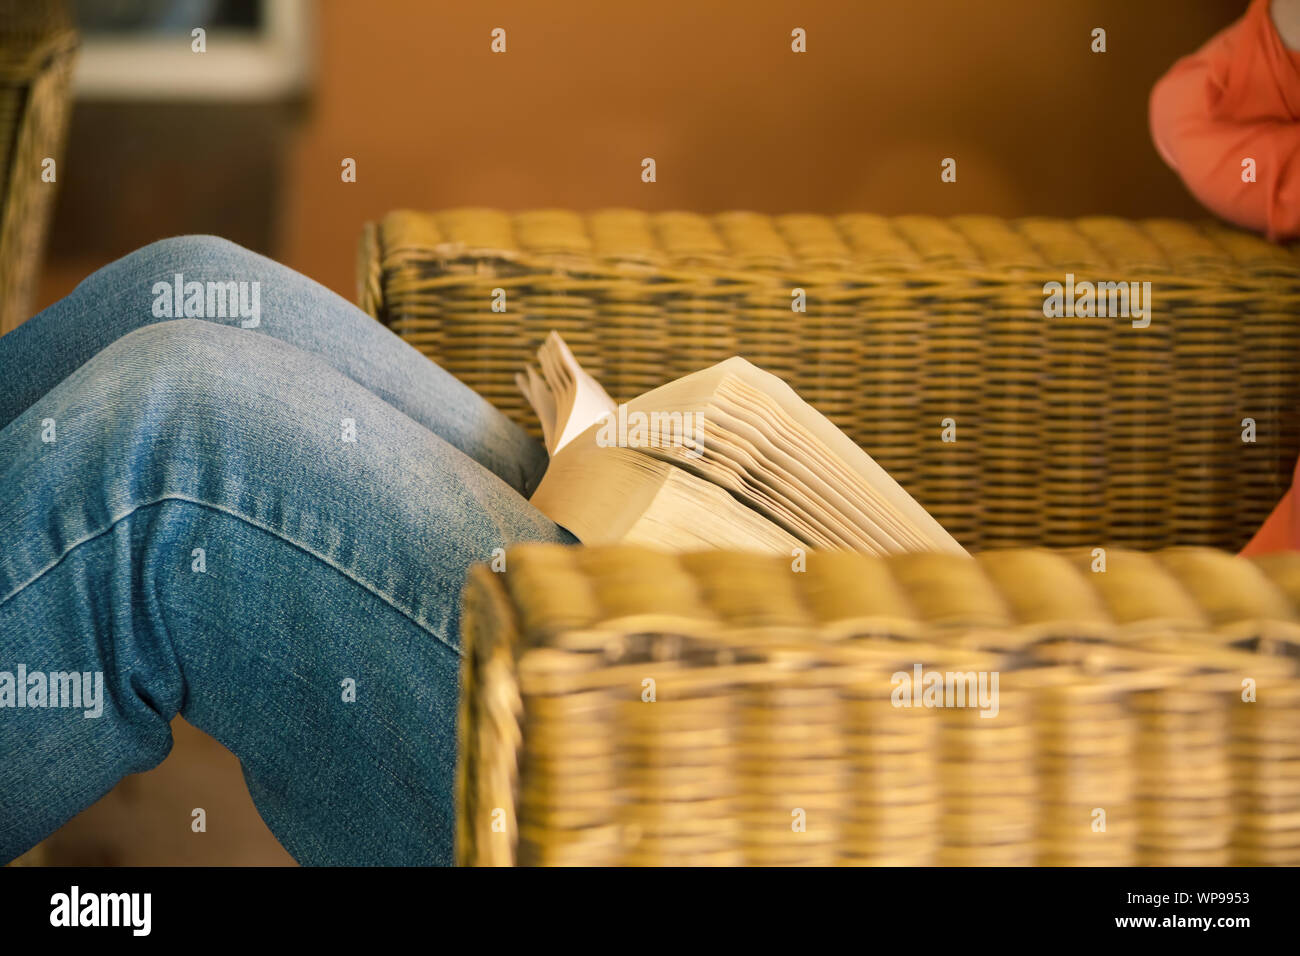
(1281, 532)
(1236, 98)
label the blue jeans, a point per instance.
(262, 529)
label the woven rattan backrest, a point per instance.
(1069, 431)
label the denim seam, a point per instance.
(387, 599)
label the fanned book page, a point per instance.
(727, 457)
(565, 398)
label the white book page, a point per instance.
(538, 395)
(697, 389)
(606, 495)
(580, 400)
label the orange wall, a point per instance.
(1038, 124)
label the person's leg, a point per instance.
(129, 293)
(226, 527)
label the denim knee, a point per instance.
(176, 253)
(161, 366)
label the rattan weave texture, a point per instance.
(1069, 431)
(37, 47)
(1119, 691)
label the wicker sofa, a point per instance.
(1102, 474)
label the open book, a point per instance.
(727, 457)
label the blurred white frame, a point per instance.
(270, 63)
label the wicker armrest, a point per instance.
(623, 706)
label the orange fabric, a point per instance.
(1281, 532)
(1238, 96)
